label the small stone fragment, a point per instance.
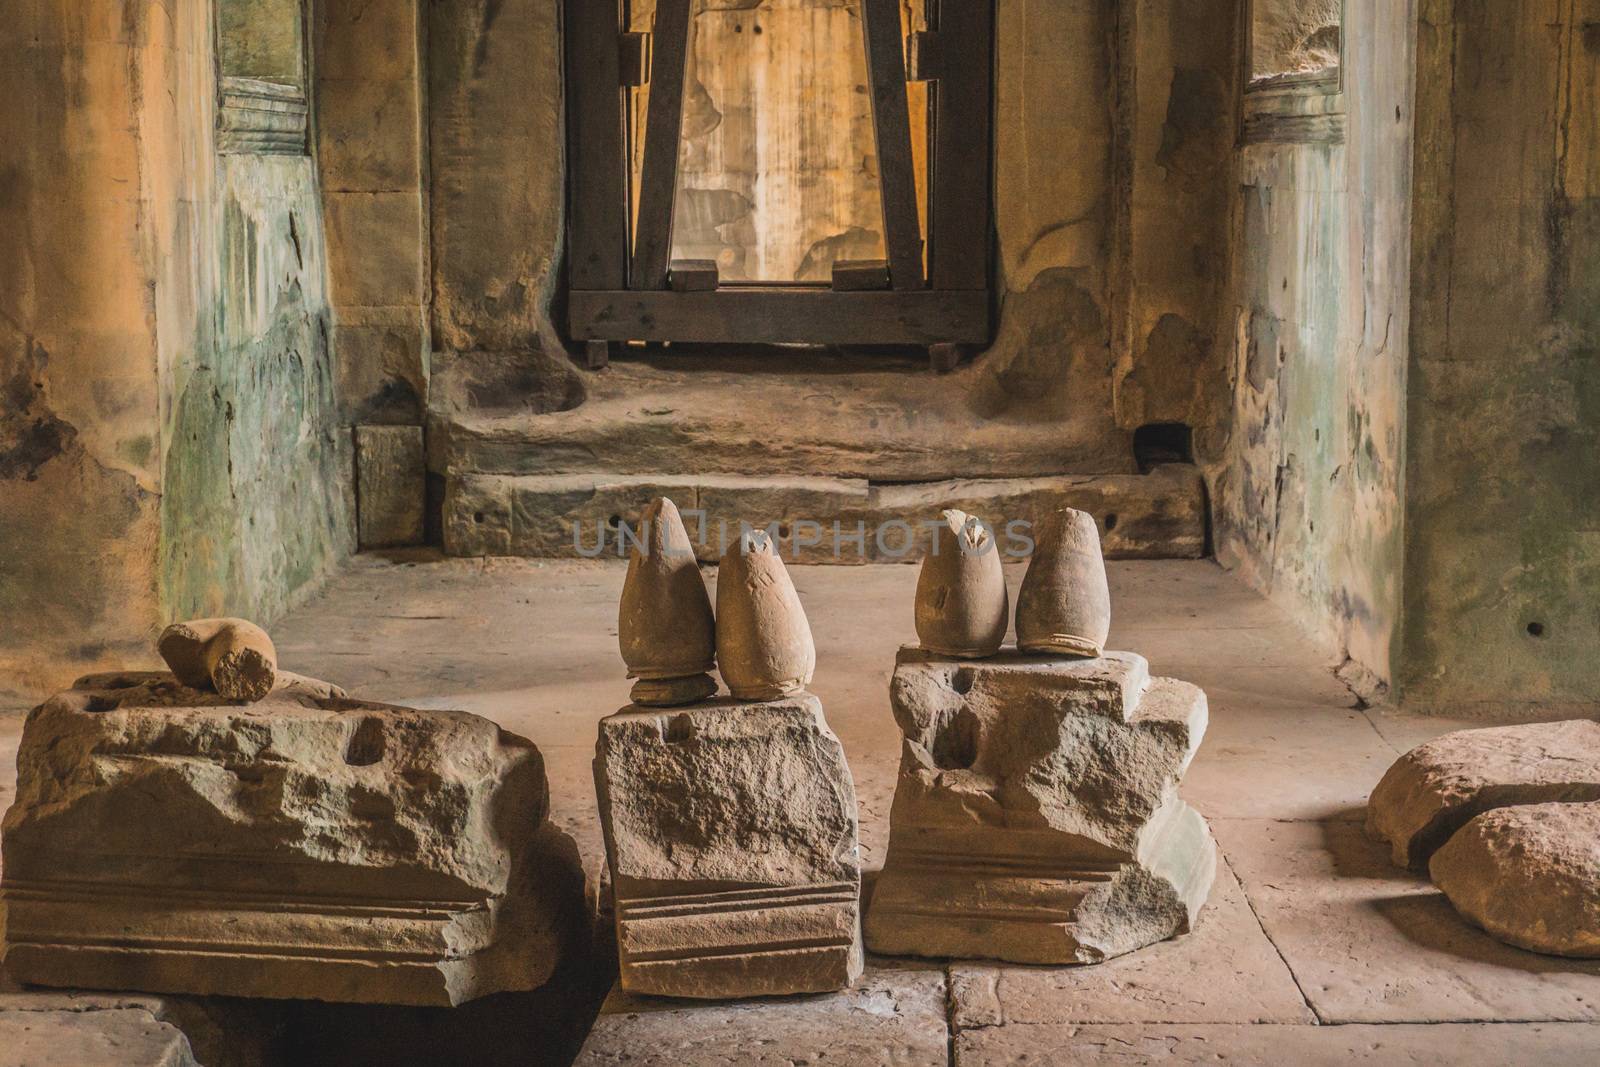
(764, 645)
(306, 846)
(1064, 605)
(233, 657)
(1037, 817)
(1529, 876)
(1436, 788)
(962, 605)
(664, 622)
(731, 833)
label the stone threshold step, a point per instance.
(1160, 515)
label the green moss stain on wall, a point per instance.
(1503, 518)
(256, 477)
(1309, 498)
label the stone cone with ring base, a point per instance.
(664, 623)
(1064, 606)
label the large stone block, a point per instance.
(306, 846)
(1037, 817)
(391, 480)
(731, 831)
(1439, 786)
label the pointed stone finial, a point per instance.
(664, 623)
(962, 604)
(234, 657)
(1064, 606)
(764, 642)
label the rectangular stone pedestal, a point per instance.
(1037, 816)
(731, 831)
(306, 846)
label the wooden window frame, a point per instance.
(621, 290)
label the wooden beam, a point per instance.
(658, 182)
(597, 216)
(633, 59)
(944, 358)
(891, 120)
(692, 275)
(774, 315)
(855, 275)
(961, 215)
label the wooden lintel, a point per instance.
(780, 315)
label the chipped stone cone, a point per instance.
(1064, 605)
(234, 657)
(664, 625)
(764, 644)
(962, 604)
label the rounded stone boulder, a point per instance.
(1436, 788)
(1529, 876)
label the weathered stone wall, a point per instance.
(166, 440)
(1308, 501)
(1503, 464)
(1111, 180)
(1177, 102)
(372, 162)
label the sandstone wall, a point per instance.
(1503, 481)
(1111, 180)
(166, 436)
(1308, 496)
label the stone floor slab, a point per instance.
(1459, 1045)
(1277, 759)
(894, 1015)
(1369, 943)
(1225, 972)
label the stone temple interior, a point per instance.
(1171, 627)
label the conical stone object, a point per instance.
(764, 642)
(1064, 606)
(962, 604)
(664, 625)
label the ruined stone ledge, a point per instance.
(1160, 515)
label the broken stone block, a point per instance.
(305, 846)
(1436, 788)
(1037, 817)
(232, 657)
(1529, 876)
(731, 833)
(391, 477)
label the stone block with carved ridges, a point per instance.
(731, 831)
(1037, 816)
(306, 846)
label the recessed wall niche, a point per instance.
(1292, 70)
(1295, 41)
(261, 77)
